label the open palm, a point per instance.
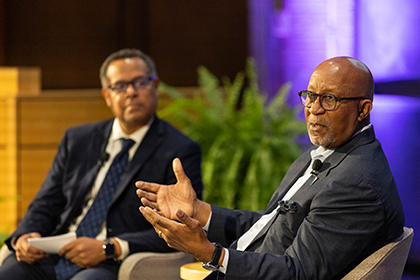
(166, 199)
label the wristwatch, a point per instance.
(109, 249)
(213, 264)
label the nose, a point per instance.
(131, 90)
(316, 107)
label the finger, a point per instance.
(179, 171)
(186, 220)
(158, 222)
(149, 204)
(147, 195)
(35, 251)
(63, 250)
(148, 187)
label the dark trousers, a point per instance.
(11, 269)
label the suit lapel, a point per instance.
(363, 138)
(330, 163)
(95, 148)
(295, 171)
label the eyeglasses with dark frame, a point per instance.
(328, 101)
(138, 83)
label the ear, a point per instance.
(105, 94)
(365, 106)
(156, 83)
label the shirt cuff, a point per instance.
(207, 225)
(225, 261)
(125, 250)
(223, 268)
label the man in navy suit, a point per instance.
(337, 204)
(130, 89)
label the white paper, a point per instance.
(52, 244)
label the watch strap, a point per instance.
(109, 248)
(213, 264)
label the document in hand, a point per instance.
(52, 244)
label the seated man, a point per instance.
(336, 205)
(90, 187)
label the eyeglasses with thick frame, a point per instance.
(140, 82)
(328, 101)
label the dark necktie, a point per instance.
(96, 215)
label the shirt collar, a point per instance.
(322, 154)
(137, 136)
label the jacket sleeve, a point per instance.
(43, 213)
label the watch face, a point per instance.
(210, 267)
(109, 249)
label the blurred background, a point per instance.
(68, 40)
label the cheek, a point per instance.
(344, 126)
(117, 104)
(151, 100)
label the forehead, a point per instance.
(126, 69)
(330, 80)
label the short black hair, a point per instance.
(126, 53)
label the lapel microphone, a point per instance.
(103, 159)
(316, 166)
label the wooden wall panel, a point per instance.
(8, 165)
(70, 39)
(41, 124)
(34, 165)
(188, 33)
(67, 39)
(45, 118)
(31, 128)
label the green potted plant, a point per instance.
(247, 142)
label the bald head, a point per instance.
(351, 73)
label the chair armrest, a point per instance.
(156, 266)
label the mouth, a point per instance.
(315, 126)
(132, 106)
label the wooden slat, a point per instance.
(34, 165)
(44, 119)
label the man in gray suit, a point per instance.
(337, 204)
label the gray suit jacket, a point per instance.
(349, 212)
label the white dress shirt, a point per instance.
(113, 148)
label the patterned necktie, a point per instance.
(96, 215)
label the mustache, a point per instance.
(134, 103)
(317, 122)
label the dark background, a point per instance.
(70, 39)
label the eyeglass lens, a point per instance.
(327, 101)
(137, 83)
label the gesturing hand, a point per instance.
(187, 236)
(166, 199)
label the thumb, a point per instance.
(184, 218)
(179, 171)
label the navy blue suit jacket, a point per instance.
(60, 198)
(352, 210)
